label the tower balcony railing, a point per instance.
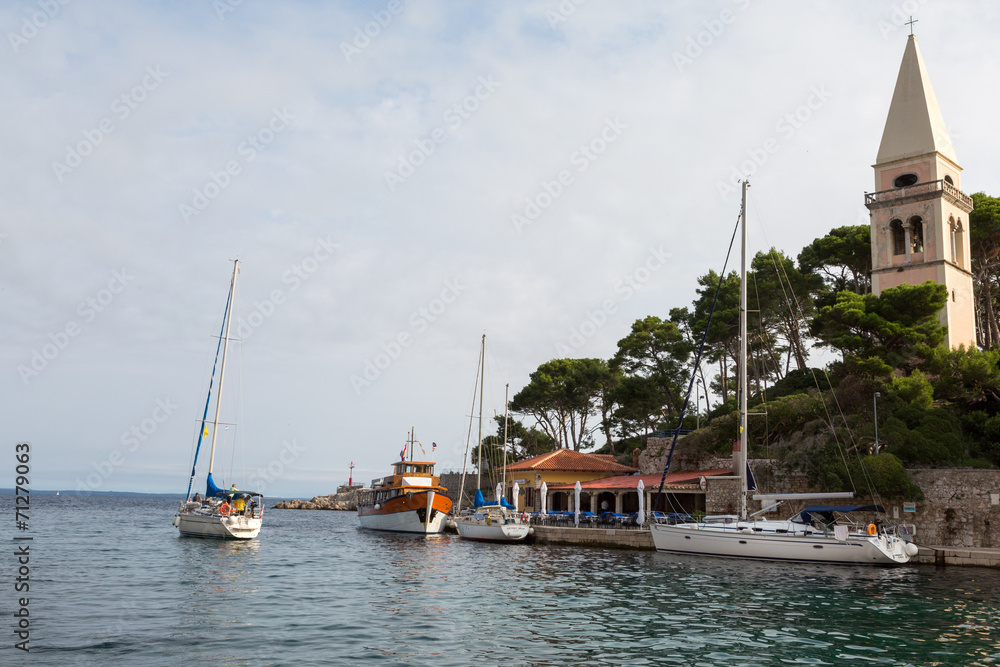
(920, 191)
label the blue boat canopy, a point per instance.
(825, 512)
(478, 501)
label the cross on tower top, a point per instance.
(910, 23)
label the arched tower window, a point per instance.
(947, 179)
(916, 234)
(898, 237)
(957, 243)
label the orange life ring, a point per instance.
(224, 510)
(872, 530)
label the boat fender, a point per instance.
(872, 530)
(489, 520)
(224, 509)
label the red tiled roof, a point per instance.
(568, 460)
(630, 481)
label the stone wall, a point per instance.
(961, 508)
(594, 537)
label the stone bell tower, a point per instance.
(919, 214)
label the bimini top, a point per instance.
(825, 512)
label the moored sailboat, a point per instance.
(810, 536)
(498, 521)
(226, 514)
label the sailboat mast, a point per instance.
(742, 458)
(482, 379)
(222, 368)
(506, 394)
(412, 440)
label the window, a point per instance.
(904, 180)
(898, 237)
(916, 234)
(529, 497)
(947, 179)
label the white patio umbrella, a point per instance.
(576, 503)
(641, 518)
(517, 491)
(545, 492)
(499, 493)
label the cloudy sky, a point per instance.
(397, 179)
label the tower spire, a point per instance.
(914, 125)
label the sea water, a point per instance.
(112, 583)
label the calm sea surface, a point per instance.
(113, 584)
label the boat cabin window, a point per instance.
(407, 468)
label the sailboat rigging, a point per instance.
(810, 535)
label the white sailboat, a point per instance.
(809, 536)
(225, 514)
(490, 522)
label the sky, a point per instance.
(398, 179)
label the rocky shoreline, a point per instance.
(347, 501)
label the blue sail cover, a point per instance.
(478, 501)
(211, 489)
(825, 512)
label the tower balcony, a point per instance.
(919, 192)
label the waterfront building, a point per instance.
(682, 492)
(562, 466)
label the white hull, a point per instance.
(217, 526)
(741, 540)
(404, 522)
(471, 528)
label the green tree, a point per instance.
(561, 397)
(654, 359)
(843, 258)
(984, 241)
(888, 328)
(782, 296)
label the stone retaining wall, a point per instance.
(614, 538)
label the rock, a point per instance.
(346, 502)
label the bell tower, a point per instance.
(919, 214)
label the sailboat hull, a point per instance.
(217, 527)
(742, 541)
(493, 530)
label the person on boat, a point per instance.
(196, 498)
(251, 506)
(239, 504)
(232, 489)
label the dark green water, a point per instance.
(112, 584)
